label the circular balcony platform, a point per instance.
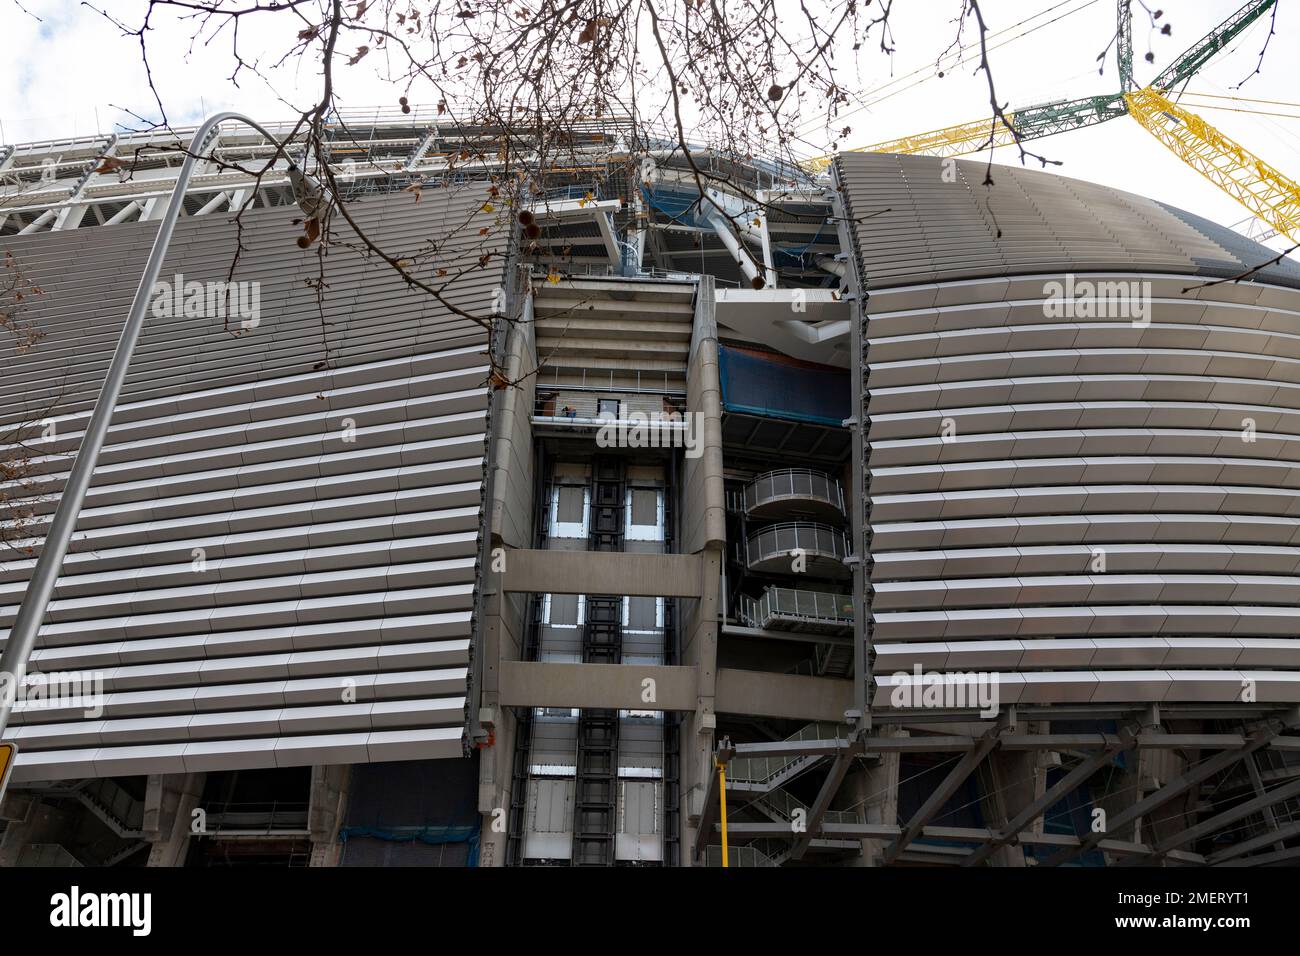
(798, 548)
(794, 493)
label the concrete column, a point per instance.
(169, 804)
(698, 727)
(704, 533)
(1155, 768)
(1009, 782)
(873, 790)
(697, 742)
(495, 780)
(494, 768)
(329, 798)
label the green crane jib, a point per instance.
(1191, 61)
(1124, 44)
(1059, 116)
(1038, 121)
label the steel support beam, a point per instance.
(39, 221)
(1257, 784)
(798, 748)
(956, 743)
(742, 257)
(72, 211)
(126, 212)
(1219, 821)
(1254, 843)
(213, 204)
(882, 831)
(1267, 859)
(1065, 785)
(817, 812)
(1181, 784)
(956, 777)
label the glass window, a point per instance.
(643, 613)
(569, 509)
(563, 610)
(645, 514)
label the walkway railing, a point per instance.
(792, 604)
(794, 484)
(763, 769)
(808, 537)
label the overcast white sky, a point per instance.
(70, 73)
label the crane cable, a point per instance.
(964, 56)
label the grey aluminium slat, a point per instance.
(325, 562)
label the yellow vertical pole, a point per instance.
(722, 804)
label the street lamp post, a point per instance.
(22, 637)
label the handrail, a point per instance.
(762, 769)
(817, 606)
(784, 483)
(808, 536)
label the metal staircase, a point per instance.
(115, 808)
(781, 806)
(737, 856)
(834, 660)
(764, 774)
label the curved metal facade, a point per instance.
(1098, 501)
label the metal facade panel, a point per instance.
(1064, 496)
(921, 219)
(276, 560)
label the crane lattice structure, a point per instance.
(1261, 188)
(1264, 190)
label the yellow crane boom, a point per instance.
(1261, 188)
(952, 140)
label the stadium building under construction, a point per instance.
(926, 523)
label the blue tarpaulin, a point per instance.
(776, 387)
(431, 835)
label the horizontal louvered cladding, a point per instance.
(920, 219)
(1098, 508)
(275, 563)
(593, 333)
